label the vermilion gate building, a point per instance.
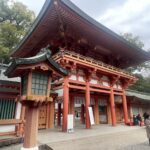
(94, 56)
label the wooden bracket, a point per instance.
(113, 80)
(126, 83)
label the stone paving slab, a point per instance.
(113, 141)
(50, 136)
(102, 137)
(142, 146)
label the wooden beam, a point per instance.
(10, 121)
(117, 93)
(99, 86)
(98, 90)
(77, 82)
(7, 133)
(102, 68)
(76, 87)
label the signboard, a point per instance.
(91, 115)
(70, 123)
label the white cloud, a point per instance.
(132, 16)
(130, 9)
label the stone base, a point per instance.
(33, 148)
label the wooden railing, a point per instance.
(19, 127)
(92, 62)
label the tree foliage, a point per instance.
(135, 40)
(15, 20)
(143, 83)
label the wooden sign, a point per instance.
(91, 115)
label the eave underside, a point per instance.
(61, 26)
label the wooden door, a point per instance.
(42, 117)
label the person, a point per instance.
(135, 121)
(139, 119)
(145, 113)
(147, 124)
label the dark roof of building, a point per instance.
(139, 95)
(10, 83)
(43, 55)
(119, 46)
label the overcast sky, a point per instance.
(119, 15)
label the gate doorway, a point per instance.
(119, 113)
(103, 114)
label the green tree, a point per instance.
(15, 20)
(135, 40)
(143, 83)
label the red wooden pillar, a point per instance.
(59, 115)
(82, 114)
(65, 103)
(125, 109)
(96, 111)
(31, 127)
(72, 108)
(87, 104)
(112, 107)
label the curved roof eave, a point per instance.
(36, 59)
(100, 26)
(83, 15)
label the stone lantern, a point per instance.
(36, 74)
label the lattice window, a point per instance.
(7, 108)
(39, 83)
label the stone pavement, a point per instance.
(102, 137)
(49, 136)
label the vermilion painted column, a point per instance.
(87, 104)
(96, 111)
(82, 114)
(65, 103)
(112, 107)
(72, 107)
(125, 109)
(31, 128)
(109, 114)
(59, 115)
